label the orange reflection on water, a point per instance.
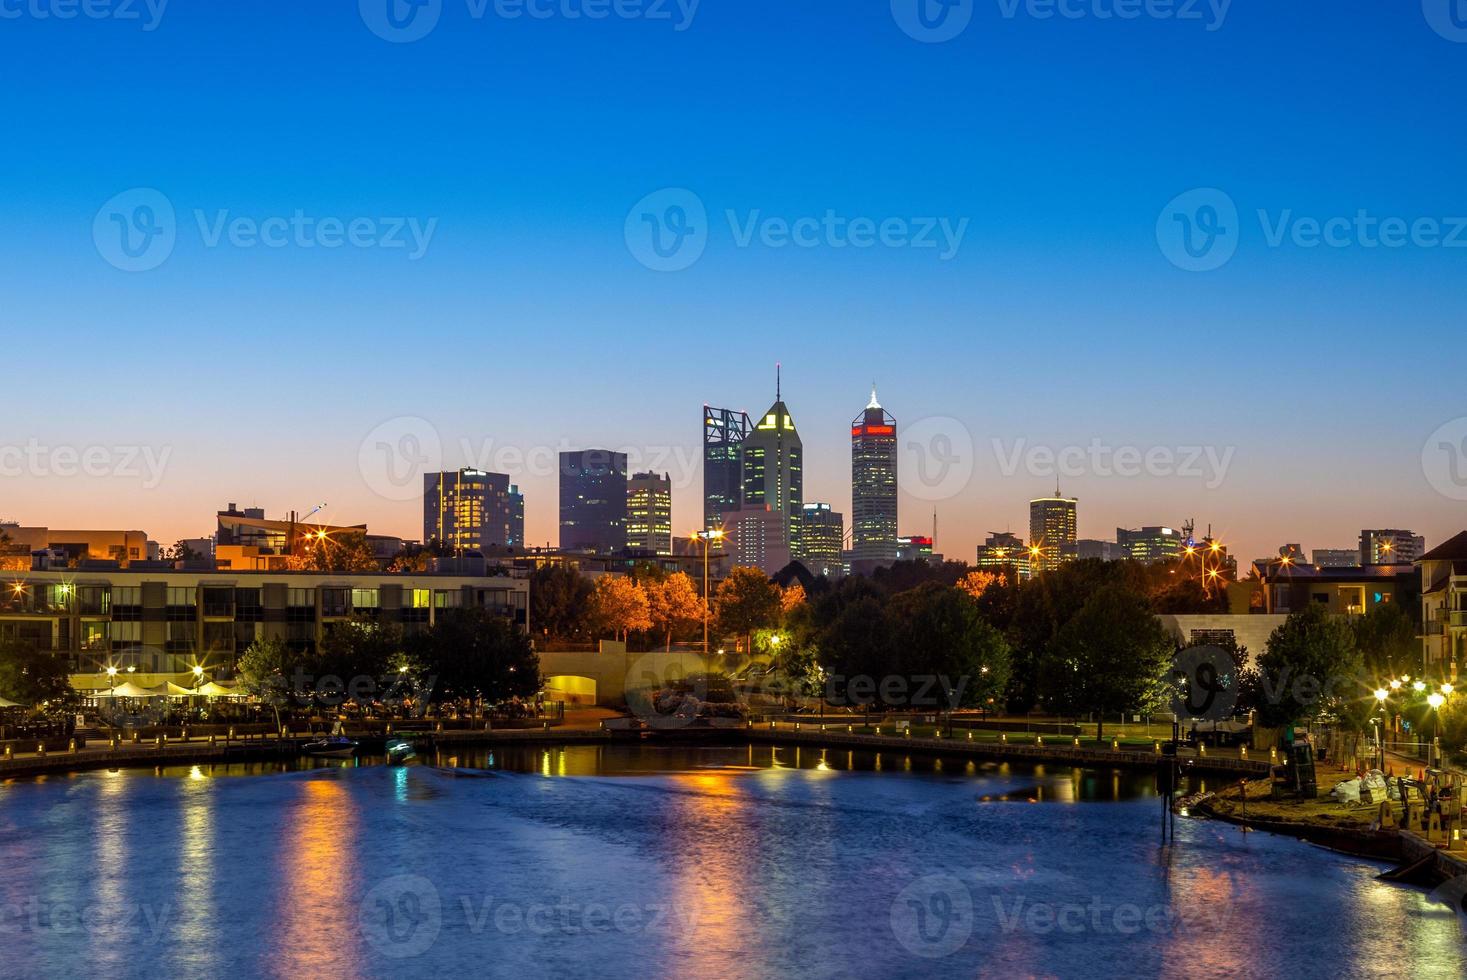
(1200, 903)
(709, 891)
(317, 911)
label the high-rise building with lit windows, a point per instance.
(1391, 546)
(1003, 550)
(1151, 544)
(649, 513)
(1053, 523)
(873, 486)
(821, 532)
(593, 501)
(724, 432)
(469, 510)
(774, 468)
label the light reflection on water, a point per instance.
(722, 861)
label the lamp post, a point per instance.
(707, 537)
(1380, 699)
(198, 670)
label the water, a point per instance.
(642, 861)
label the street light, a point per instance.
(708, 537)
(198, 670)
(111, 678)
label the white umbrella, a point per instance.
(7, 703)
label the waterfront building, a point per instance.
(649, 513)
(1443, 584)
(724, 432)
(593, 501)
(161, 621)
(1053, 522)
(470, 510)
(1001, 551)
(822, 530)
(1151, 544)
(774, 469)
(1390, 546)
(874, 486)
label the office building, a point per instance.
(1151, 544)
(1390, 546)
(1336, 557)
(774, 474)
(1002, 551)
(470, 510)
(593, 501)
(649, 514)
(917, 547)
(822, 530)
(874, 486)
(1101, 550)
(757, 536)
(1053, 522)
(724, 432)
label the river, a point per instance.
(674, 861)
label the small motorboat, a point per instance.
(400, 752)
(331, 747)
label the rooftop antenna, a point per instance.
(776, 381)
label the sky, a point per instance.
(283, 254)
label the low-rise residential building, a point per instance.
(1289, 586)
(1444, 606)
(19, 543)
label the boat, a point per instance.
(331, 747)
(400, 752)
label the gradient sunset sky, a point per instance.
(1322, 373)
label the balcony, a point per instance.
(1457, 618)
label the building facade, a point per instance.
(757, 537)
(1053, 523)
(1390, 546)
(470, 510)
(593, 501)
(164, 621)
(1100, 550)
(1336, 557)
(774, 470)
(724, 432)
(822, 531)
(874, 486)
(1443, 572)
(649, 513)
(19, 543)
(1002, 550)
(1151, 544)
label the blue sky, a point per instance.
(529, 322)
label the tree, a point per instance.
(560, 602)
(343, 551)
(473, 655)
(264, 671)
(1386, 638)
(856, 647)
(791, 598)
(977, 582)
(33, 677)
(1310, 668)
(358, 654)
(619, 604)
(673, 604)
(747, 601)
(181, 551)
(1112, 655)
(940, 633)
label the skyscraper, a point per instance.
(724, 432)
(873, 486)
(1053, 522)
(1003, 550)
(774, 468)
(593, 501)
(1150, 544)
(470, 510)
(1391, 546)
(757, 536)
(821, 532)
(649, 513)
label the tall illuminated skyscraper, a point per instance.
(822, 532)
(774, 467)
(873, 486)
(724, 432)
(1053, 523)
(469, 510)
(593, 501)
(649, 513)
